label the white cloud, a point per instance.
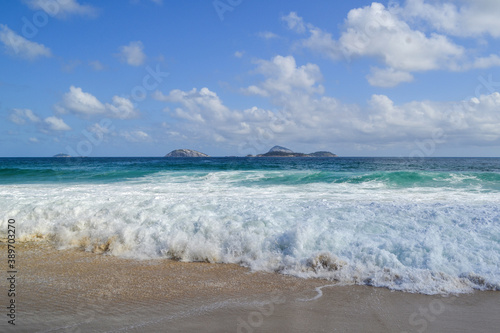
(376, 32)
(99, 129)
(294, 22)
(304, 116)
(486, 62)
(31, 116)
(385, 35)
(132, 53)
(33, 140)
(465, 18)
(19, 46)
(19, 116)
(468, 121)
(323, 43)
(284, 77)
(62, 9)
(135, 136)
(121, 108)
(238, 54)
(199, 106)
(388, 77)
(56, 124)
(203, 115)
(79, 102)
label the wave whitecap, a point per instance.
(437, 240)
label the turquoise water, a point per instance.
(434, 172)
(420, 225)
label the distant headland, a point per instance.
(185, 153)
(276, 151)
(279, 151)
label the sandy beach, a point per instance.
(77, 291)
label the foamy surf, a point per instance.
(399, 230)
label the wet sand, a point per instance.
(76, 291)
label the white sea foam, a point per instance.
(427, 240)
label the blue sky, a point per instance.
(236, 77)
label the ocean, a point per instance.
(423, 225)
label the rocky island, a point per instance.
(279, 151)
(61, 155)
(185, 153)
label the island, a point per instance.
(61, 155)
(279, 151)
(185, 153)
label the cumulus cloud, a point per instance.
(199, 106)
(56, 124)
(284, 77)
(16, 45)
(25, 116)
(82, 103)
(388, 77)
(203, 115)
(121, 108)
(407, 39)
(295, 22)
(132, 53)
(135, 136)
(62, 9)
(20, 116)
(472, 121)
(304, 115)
(377, 32)
(492, 60)
(464, 18)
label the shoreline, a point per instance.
(76, 291)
